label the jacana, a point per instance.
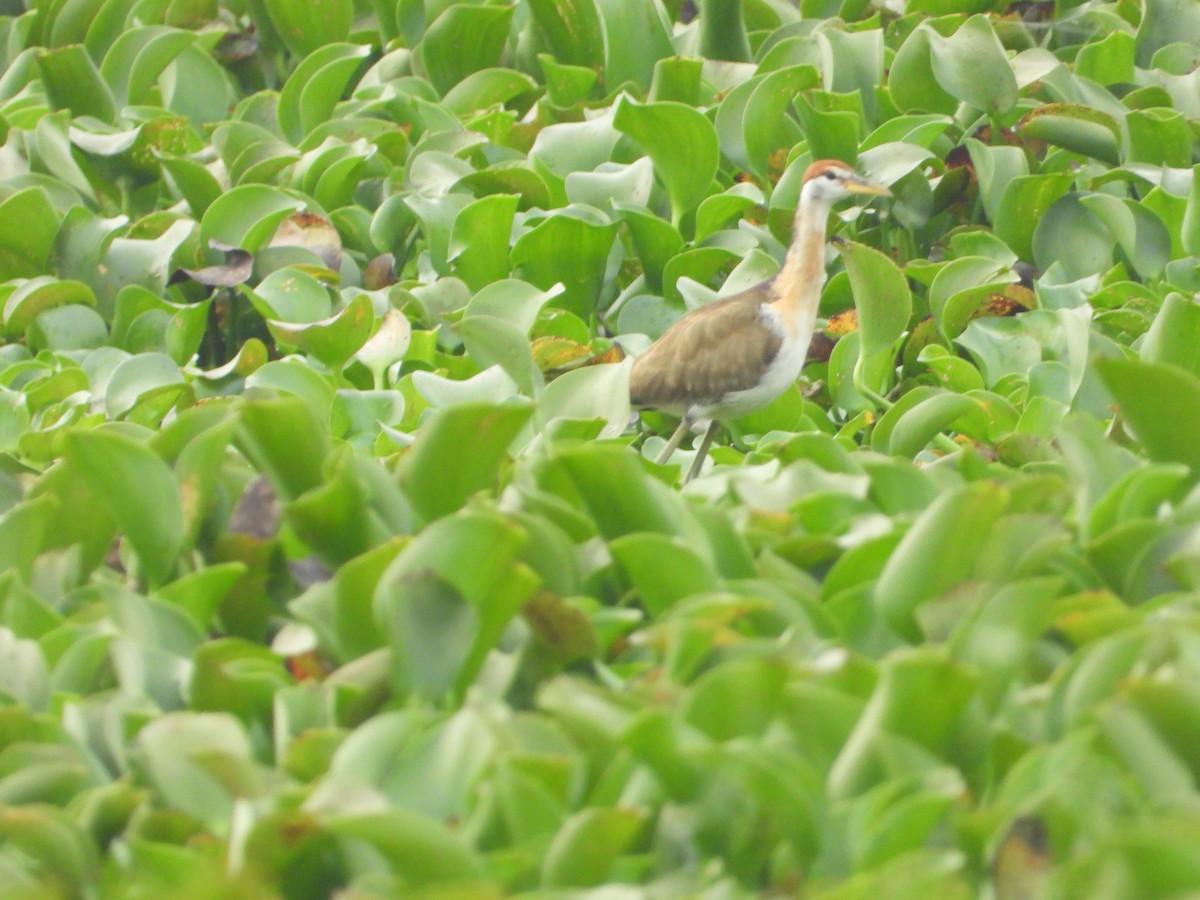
(737, 354)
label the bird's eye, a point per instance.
(831, 176)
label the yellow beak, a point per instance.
(858, 185)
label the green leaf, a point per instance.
(972, 66)
(1156, 399)
(138, 490)
(1191, 216)
(438, 479)
(306, 27)
(73, 82)
(283, 438)
(940, 551)
(564, 250)
(486, 88)
(587, 847)
(765, 123)
(680, 142)
(636, 38)
(573, 31)
(1070, 235)
(28, 226)
(38, 295)
(662, 569)
(133, 64)
(1024, 201)
(913, 85)
(479, 241)
(881, 296)
(291, 296)
(419, 849)
(428, 576)
(923, 676)
(1075, 127)
(315, 86)
(333, 341)
(462, 40)
(1174, 337)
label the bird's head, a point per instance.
(828, 180)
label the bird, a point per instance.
(736, 354)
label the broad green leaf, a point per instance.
(913, 84)
(1155, 399)
(73, 82)
(305, 27)
(1023, 202)
(462, 40)
(723, 32)
(284, 439)
(924, 676)
(587, 847)
(290, 295)
(1159, 137)
(636, 37)
(1190, 229)
(1075, 127)
(38, 295)
(917, 426)
(133, 64)
(662, 570)
(485, 88)
(492, 341)
(680, 142)
(1175, 335)
(334, 340)
(1070, 235)
(138, 490)
(28, 225)
(200, 762)
(428, 574)
(479, 241)
(1162, 22)
(572, 29)
(564, 250)
(940, 551)
(315, 86)
(972, 66)
(766, 125)
(419, 849)
(139, 377)
(439, 479)
(881, 296)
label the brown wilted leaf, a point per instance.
(310, 232)
(562, 628)
(257, 511)
(234, 271)
(820, 348)
(380, 272)
(1013, 299)
(1021, 866)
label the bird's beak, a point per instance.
(857, 185)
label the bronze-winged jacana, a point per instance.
(737, 354)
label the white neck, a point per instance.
(797, 287)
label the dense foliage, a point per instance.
(332, 562)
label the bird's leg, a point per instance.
(702, 452)
(685, 425)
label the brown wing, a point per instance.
(712, 351)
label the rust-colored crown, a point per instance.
(821, 166)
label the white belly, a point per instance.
(779, 376)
